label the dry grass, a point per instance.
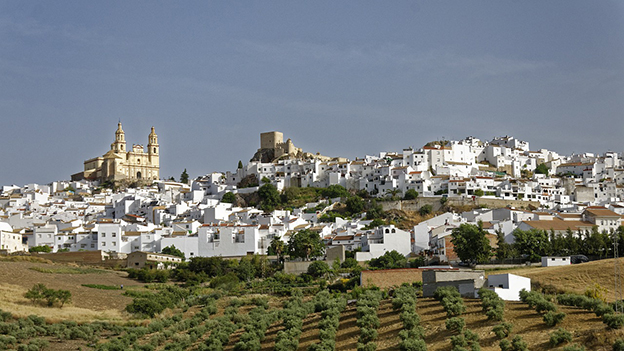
(12, 299)
(87, 303)
(575, 278)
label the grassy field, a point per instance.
(93, 302)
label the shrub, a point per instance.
(502, 330)
(602, 308)
(367, 335)
(517, 344)
(413, 344)
(543, 305)
(496, 313)
(39, 292)
(560, 336)
(455, 324)
(369, 346)
(505, 345)
(613, 321)
(410, 319)
(445, 291)
(575, 347)
(553, 318)
(618, 345)
(454, 306)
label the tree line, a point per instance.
(472, 245)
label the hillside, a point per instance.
(575, 278)
(96, 305)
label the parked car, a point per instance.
(578, 259)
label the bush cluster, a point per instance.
(451, 300)
(559, 337)
(542, 306)
(516, 344)
(39, 294)
(493, 305)
(255, 329)
(502, 330)
(149, 275)
(149, 304)
(367, 319)
(599, 307)
(412, 333)
(295, 310)
(467, 340)
(330, 309)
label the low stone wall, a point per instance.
(92, 257)
(386, 278)
(415, 205)
(506, 266)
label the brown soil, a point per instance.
(87, 303)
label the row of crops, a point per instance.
(213, 321)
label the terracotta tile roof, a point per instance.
(600, 212)
(559, 225)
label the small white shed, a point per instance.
(508, 286)
(552, 261)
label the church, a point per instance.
(119, 163)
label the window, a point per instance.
(103, 235)
(92, 246)
(114, 243)
(104, 244)
(114, 235)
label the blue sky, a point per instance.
(345, 78)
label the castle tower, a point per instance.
(119, 145)
(152, 149)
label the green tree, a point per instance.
(277, 247)
(374, 210)
(470, 243)
(355, 205)
(389, 260)
(229, 197)
(41, 248)
(172, 250)
(184, 177)
(425, 210)
(269, 197)
(533, 243)
(478, 192)
(318, 269)
(541, 169)
(240, 164)
(246, 270)
(504, 249)
(410, 194)
(305, 244)
(334, 191)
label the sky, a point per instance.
(343, 78)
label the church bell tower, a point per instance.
(119, 145)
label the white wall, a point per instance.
(511, 285)
(549, 261)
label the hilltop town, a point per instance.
(118, 205)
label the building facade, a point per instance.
(119, 163)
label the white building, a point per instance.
(9, 240)
(384, 239)
(508, 286)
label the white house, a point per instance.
(508, 286)
(10, 240)
(552, 261)
(384, 239)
